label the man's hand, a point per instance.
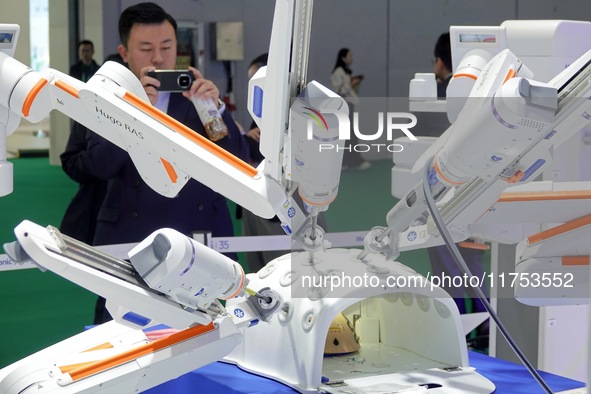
(150, 84)
(202, 87)
(255, 134)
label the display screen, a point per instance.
(6, 38)
(488, 38)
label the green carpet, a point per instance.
(364, 199)
(39, 309)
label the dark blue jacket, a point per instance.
(79, 220)
(132, 210)
(82, 72)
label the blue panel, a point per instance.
(532, 169)
(257, 101)
(134, 318)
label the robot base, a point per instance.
(410, 335)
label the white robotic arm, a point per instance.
(167, 153)
(171, 279)
(8, 120)
(114, 105)
(503, 137)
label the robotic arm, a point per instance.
(171, 279)
(114, 104)
(503, 136)
(167, 153)
(8, 120)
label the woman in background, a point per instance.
(346, 85)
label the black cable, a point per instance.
(459, 260)
(229, 78)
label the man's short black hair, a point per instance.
(145, 14)
(260, 60)
(86, 42)
(443, 50)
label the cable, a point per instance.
(256, 294)
(453, 249)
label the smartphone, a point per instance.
(173, 80)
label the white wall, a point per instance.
(91, 26)
(59, 59)
(17, 11)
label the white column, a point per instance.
(17, 11)
(91, 26)
(59, 59)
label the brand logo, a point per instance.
(291, 212)
(317, 117)
(389, 122)
(116, 122)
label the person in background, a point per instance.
(346, 86)
(79, 220)
(131, 210)
(442, 63)
(85, 68)
(441, 260)
(115, 57)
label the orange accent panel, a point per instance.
(191, 134)
(239, 288)
(106, 345)
(315, 204)
(32, 95)
(545, 196)
(170, 170)
(563, 228)
(575, 260)
(516, 177)
(152, 347)
(473, 245)
(510, 74)
(464, 75)
(438, 171)
(66, 87)
(71, 367)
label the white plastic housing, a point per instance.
(315, 148)
(496, 124)
(185, 270)
(6, 178)
(421, 324)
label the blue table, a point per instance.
(509, 378)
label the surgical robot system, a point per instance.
(273, 323)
